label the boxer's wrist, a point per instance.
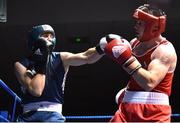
(131, 65)
(99, 50)
(31, 73)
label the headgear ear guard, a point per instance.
(35, 34)
(150, 21)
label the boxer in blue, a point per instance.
(42, 75)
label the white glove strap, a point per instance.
(131, 65)
(103, 43)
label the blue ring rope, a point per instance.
(89, 117)
(102, 116)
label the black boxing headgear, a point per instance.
(35, 33)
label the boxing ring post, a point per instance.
(16, 99)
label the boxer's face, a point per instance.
(48, 36)
(139, 28)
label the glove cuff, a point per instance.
(131, 65)
(99, 50)
(31, 73)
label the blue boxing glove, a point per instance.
(40, 56)
(40, 63)
(46, 47)
(37, 65)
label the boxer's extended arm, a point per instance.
(88, 57)
(34, 85)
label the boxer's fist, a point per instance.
(39, 63)
(111, 37)
(45, 46)
(104, 41)
(120, 51)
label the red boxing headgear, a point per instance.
(150, 21)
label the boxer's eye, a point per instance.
(47, 35)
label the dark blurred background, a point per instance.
(79, 24)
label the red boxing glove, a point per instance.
(120, 51)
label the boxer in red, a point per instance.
(150, 59)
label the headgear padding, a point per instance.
(150, 22)
(36, 32)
